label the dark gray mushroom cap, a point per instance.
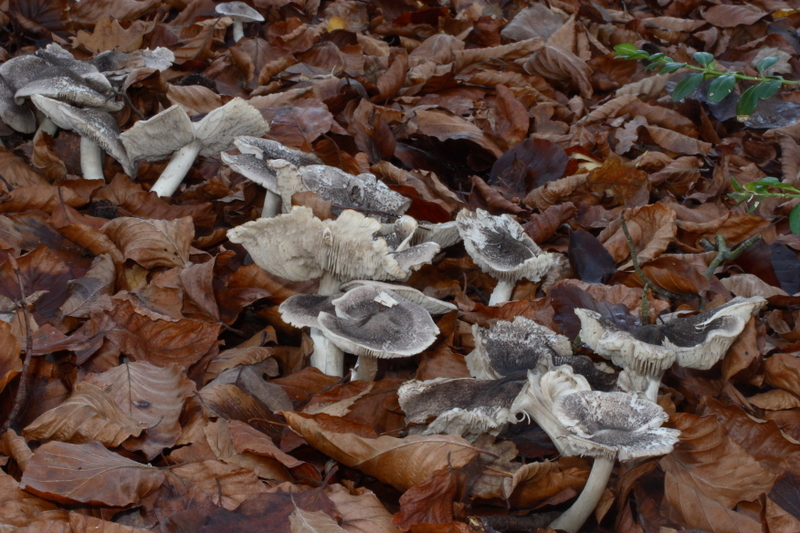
(361, 192)
(432, 305)
(62, 84)
(96, 125)
(302, 310)
(252, 168)
(605, 424)
(269, 149)
(240, 11)
(378, 323)
(18, 117)
(462, 406)
(501, 248)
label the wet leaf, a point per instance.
(529, 165)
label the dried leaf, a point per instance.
(152, 243)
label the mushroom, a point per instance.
(298, 246)
(17, 117)
(98, 131)
(432, 305)
(213, 134)
(647, 351)
(254, 169)
(605, 426)
(240, 13)
(502, 249)
(461, 406)
(268, 149)
(444, 234)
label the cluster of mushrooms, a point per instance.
(521, 370)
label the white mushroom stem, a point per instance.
(272, 205)
(169, 180)
(238, 31)
(366, 368)
(573, 518)
(48, 126)
(327, 357)
(91, 160)
(502, 292)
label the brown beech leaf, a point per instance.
(320, 207)
(554, 192)
(300, 124)
(228, 359)
(108, 34)
(17, 172)
(710, 462)
(88, 473)
(362, 511)
(561, 65)
(728, 16)
(529, 165)
(153, 243)
(429, 502)
(218, 436)
(535, 483)
(544, 225)
(39, 197)
(232, 403)
(677, 142)
(10, 362)
(301, 521)
(490, 198)
(401, 463)
(446, 126)
(622, 181)
(85, 291)
(300, 386)
(675, 275)
(89, 14)
(512, 118)
(40, 270)
(89, 414)
(652, 229)
(743, 351)
(195, 99)
(226, 485)
(19, 508)
(151, 395)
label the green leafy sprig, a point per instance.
(723, 82)
(754, 192)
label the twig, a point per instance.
(724, 254)
(128, 101)
(22, 391)
(512, 523)
(648, 284)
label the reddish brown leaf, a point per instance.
(430, 502)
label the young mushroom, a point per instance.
(240, 13)
(502, 249)
(647, 351)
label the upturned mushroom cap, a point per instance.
(362, 192)
(431, 305)
(159, 136)
(298, 246)
(444, 234)
(220, 127)
(240, 11)
(303, 310)
(98, 126)
(501, 248)
(462, 406)
(269, 149)
(506, 348)
(64, 85)
(609, 424)
(378, 323)
(253, 169)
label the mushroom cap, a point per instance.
(220, 127)
(444, 234)
(118, 65)
(298, 246)
(399, 233)
(62, 84)
(432, 305)
(462, 406)
(58, 57)
(96, 125)
(239, 11)
(363, 192)
(378, 323)
(506, 348)
(415, 257)
(159, 136)
(303, 310)
(599, 375)
(269, 149)
(501, 248)
(253, 169)
(20, 118)
(608, 424)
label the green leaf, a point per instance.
(765, 63)
(721, 87)
(627, 49)
(704, 59)
(736, 185)
(656, 57)
(687, 85)
(747, 103)
(668, 68)
(768, 88)
(794, 219)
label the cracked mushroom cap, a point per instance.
(362, 192)
(501, 248)
(269, 149)
(432, 305)
(378, 323)
(96, 125)
(461, 406)
(239, 11)
(609, 424)
(506, 348)
(252, 168)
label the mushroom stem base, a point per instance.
(573, 518)
(169, 180)
(327, 357)
(91, 160)
(366, 369)
(501, 293)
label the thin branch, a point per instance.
(724, 254)
(22, 391)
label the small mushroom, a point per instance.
(240, 13)
(254, 169)
(502, 249)
(98, 131)
(648, 351)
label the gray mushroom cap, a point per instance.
(303, 310)
(378, 323)
(220, 127)
(361, 192)
(608, 424)
(62, 84)
(252, 168)
(461, 406)
(240, 11)
(18, 117)
(432, 305)
(269, 149)
(159, 136)
(96, 125)
(444, 234)
(501, 248)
